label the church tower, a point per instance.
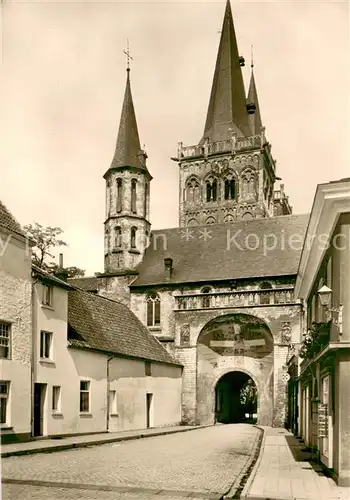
(230, 174)
(127, 226)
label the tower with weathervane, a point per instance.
(127, 226)
(230, 174)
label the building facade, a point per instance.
(15, 329)
(218, 290)
(321, 384)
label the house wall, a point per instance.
(128, 379)
(337, 363)
(15, 308)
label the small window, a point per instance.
(265, 297)
(206, 300)
(145, 200)
(113, 410)
(5, 340)
(47, 295)
(84, 395)
(148, 368)
(133, 196)
(133, 237)
(45, 345)
(153, 310)
(56, 398)
(4, 395)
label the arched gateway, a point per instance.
(236, 398)
(231, 350)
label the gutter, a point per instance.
(108, 387)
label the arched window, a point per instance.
(106, 240)
(153, 309)
(133, 237)
(133, 196)
(230, 189)
(192, 190)
(265, 297)
(117, 237)
(206, 300)
(248, 185)
(145, 201)
(212, 189)
(119, 195)
(108, 198)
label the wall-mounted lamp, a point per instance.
(325, 296)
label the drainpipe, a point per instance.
(108, 386)
(33, 353)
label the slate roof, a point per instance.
(87, 283)
(227, 105)
(8, 221)
(128, 149)
(197, 257)
(102, 324)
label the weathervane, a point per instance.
(128, 56)
(251, 56)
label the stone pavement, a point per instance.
(283, 473)
(202, 464)
(65, 443)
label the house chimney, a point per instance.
(61, 273)
(168, 266)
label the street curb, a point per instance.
(245, 492)
(84, 444)
(234, 491)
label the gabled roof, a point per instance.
(49, 278)
(8, 221)
(227, 106)
(102, 324)
(128, 150)
(87, 283)
(255, 118)
(225, 251)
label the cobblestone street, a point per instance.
(204, 462)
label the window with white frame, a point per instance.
(56, 398)
(84, 395)
(113, 402)
(45, 345)
(5, 339)
(4, 395)
(47, 298)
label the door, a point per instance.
(149, 398)
(39, 400)
(327, 440)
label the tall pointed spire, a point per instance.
(227, 106)
(128, 150)
(254, 118)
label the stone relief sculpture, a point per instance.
(185, 334)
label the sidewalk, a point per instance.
(65, 443)
(283, 474)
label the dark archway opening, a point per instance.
(236, 399)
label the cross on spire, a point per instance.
(251, 56)
(128, 56)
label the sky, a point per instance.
(63, 82)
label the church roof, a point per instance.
(255, 118)
(227, 105)
(8, 221)
(102, 324)
(87, 283)
(225, 251)
(128, 150)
